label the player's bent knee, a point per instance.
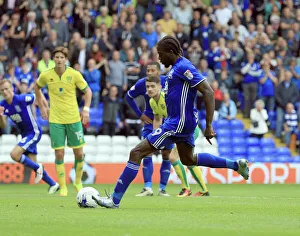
(59, 154)
(166, 154)
(135, 155)
(15, 156)
(187, 162)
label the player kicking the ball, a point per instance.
(64, 118)
(182, 83)
(159, 108)
(18, 109)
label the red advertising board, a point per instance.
(260, 173)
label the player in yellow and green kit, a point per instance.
(65, 121)
(158, 105)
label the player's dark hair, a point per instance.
(153, 78)
(62, 50)
(170, 43)
(155, 63)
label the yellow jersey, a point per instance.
(159, 108)
(62, 94)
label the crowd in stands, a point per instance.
(248, 50)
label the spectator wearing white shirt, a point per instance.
(223, 14)
(237, 27)
(291, 123)
(258, 116)
(184, 15)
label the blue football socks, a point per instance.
(164, 174)
(147, 172)
(48, 179)
(26, 161)
(124, 181)
(209, 160)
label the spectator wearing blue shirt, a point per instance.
(268, 81)
(251, 71)
(149, 35)
(93, 77)
(205, 34)
(26, 79)
(228, 109)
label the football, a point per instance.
(86, 197)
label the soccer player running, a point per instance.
(18, 109)
(182, 83)
(159, 108)
(139, 89)
(65, 121)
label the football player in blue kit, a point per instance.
(18, 109)
(181, 86)
(139, 89)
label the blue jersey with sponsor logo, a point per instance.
(180, 95)
(19, 111)
(139, 89)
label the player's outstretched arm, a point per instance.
(2, 118)
(85, 114)
(209, 102)
(42, 102)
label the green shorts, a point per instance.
(73, 133)
(196, 132)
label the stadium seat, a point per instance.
(295, 159)
(236, 124)
(237, 133)
(222, 124)
(253, 141)
(104, 149)
(45, 140)
(198, 149)
(202, 123)
(238, 142)
(120, 150)
(95, 113)
(269, 150)
(104, 140)
(267, 142)
(119, 140)
(283, 151)
(268, 158)
(133, 140)
(7, 148)
(9, 139)
(236, 157)
(90, 149)
(253, 158)
(254, 150)
(119, 158)
(90, 140)
(211, 149)
(240, 151)
(5, 159)
(283, 158)
(224, 141)
(69, 158)
(223, 133)
(225, 150)
(44, 150)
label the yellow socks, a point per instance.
(79, 170)
(60, 171)
(197, 174)
(180, 171)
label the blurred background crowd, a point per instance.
(248, 50)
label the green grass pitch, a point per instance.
(231, 210)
